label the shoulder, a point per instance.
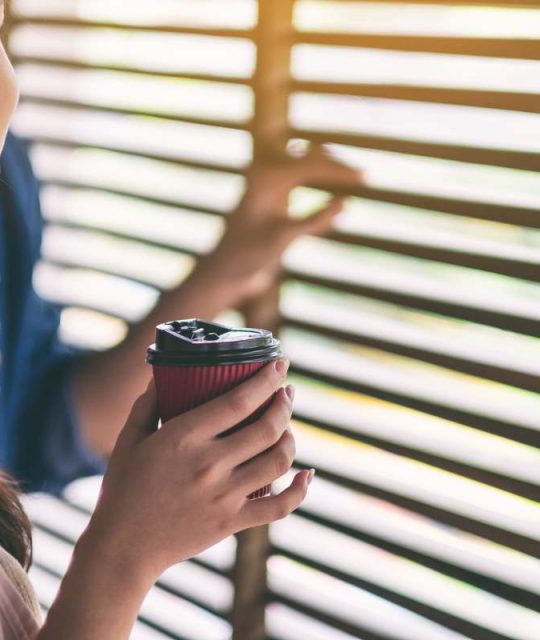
(17, 596)
(19, 195)
(16, 167)
(15, 148)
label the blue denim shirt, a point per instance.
(40, 443)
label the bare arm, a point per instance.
(170, 494)
(242, 267)
(105, 384)
(100, 596)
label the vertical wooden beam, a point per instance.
(8, 20)
(274, 38)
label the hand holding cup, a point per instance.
(170, 493)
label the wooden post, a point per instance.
(274, 39)
(270, 134)
(8, 20)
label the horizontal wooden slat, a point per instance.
(417, 285)
(507, 214)
(166, 53)
(465, 365)
(490, 425)
(214, 103)
(511, 266)
(360, 415)
(350, 66)
(198, 146)
(513, 101)
(80, 65)
(441, 488)
(470, 190)
(52, 141)
(447, 621)
(347, 608)
(481, 465)
(490, 566)
(314, 12)
(425, 337)
(512, 4)
(27, 99)
(170, 614)
(495, 318)
(107, 274)
(519, 543)
(167, 183)
(55, 516)
(390, 378)
(237, 13)
(91, 330)
(505, 249)
(113, 295)
(68, 227)
(200, 586)
(58, 21)
(366, 465)
(161, 268)
(529, 161)
(285, 624)
(523, 49)
(54, 181)
(458, 133)
(407, 584)
(67, 293)
(191, 232)
(327, 617)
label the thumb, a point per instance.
(143, 418)
(320, 222)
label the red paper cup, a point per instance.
(195, 361)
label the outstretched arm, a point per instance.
(242, 266)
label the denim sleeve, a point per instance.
(49, 451)
(64, 455)
(40, 435)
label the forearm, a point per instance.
(106, 384)
(100, 596)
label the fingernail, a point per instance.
(290, 391)
(282, 367)
(311, 476)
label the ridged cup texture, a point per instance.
(180, 389)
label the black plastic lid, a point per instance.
(195, 342)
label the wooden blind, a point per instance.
(412, 327)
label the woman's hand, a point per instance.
(248, 257)
(169, 494)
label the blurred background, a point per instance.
(412, 328)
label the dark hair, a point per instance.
(15, 527)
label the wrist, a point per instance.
(114, 558)
(100, 595)
(219, 277)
